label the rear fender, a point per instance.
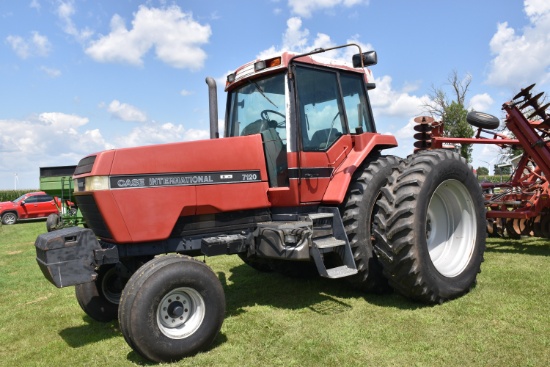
(363, 146)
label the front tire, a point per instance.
(430, 228)
(9, 218)
(100, 298)
(172, 307)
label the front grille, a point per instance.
(92, 216)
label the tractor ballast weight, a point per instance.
(297, 185)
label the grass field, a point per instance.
(276, 321)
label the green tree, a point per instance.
(502, 169)
(456, 126)
(482, 171)
(452, 111)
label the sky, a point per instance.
(82, 76)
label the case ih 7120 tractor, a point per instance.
(298, 183)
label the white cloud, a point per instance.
(481, 102)
(126, 112)
(387, 101)
(52, 73)
(65, 12)
(35, 5)
(521, 57)
(185, 92)
(35, 142)
(174, 35)
(297, 39)
(160, 133)
(35, 45)
(305, 8)
(62, 122)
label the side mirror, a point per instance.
(23, 203)
(369, 58)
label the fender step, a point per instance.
(331, 242)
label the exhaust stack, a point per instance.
(213, 107)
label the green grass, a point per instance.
(276, 321)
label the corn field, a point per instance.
(8, 195)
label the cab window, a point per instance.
(355, 100)
(321, 113)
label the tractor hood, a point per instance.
(138, 194)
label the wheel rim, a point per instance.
(180, 313)
(9, 218)
(451, 228)
(111, 286)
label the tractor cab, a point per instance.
(308, 111)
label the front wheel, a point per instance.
(430, 227)
(9, 218)
(172, 307)
(100, 298)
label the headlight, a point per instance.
(92, 183)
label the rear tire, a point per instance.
(172, 307)
(358, 214)
(430, 228)
(100, 299)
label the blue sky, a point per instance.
(83, 76)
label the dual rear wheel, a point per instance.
(430, 227)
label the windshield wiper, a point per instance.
(262, 92)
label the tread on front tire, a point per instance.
(430, 227)
(171, 307)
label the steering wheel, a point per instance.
(265, 116)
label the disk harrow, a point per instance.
(519, 206)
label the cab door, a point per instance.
(326, 101)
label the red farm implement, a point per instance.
(521, 205)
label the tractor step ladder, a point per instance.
(329, 236)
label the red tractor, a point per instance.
(298, 184)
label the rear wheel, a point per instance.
(172, 307)
(100, 299)
(430, 228)
(358, 214)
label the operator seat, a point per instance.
(324, 138)
(274, 150)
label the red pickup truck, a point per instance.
(28, 206)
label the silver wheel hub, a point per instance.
(451, 228)
(180, 313)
